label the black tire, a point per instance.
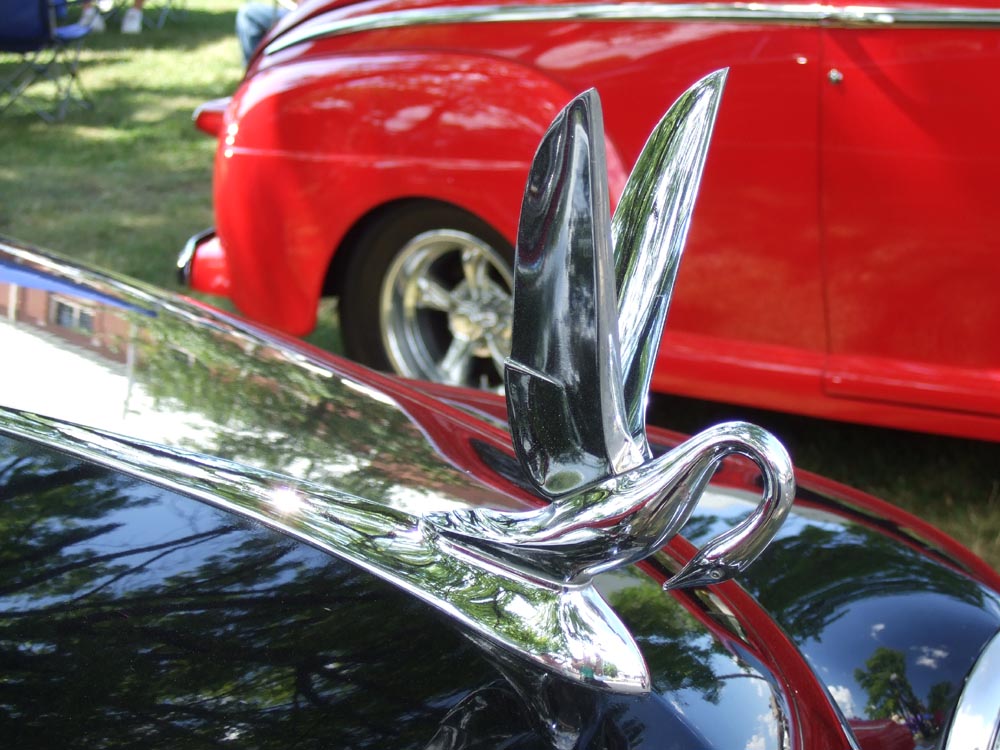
(407, 305)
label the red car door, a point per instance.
(747, 322)
(910, 160)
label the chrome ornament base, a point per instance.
(568, 630)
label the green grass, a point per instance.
(124, 185)
(952, 483)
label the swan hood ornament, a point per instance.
(576, 386)
(586, 330)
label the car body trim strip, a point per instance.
(186, 258)
(569, 630)
(976, 720)
(850, 16)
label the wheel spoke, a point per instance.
(431, 295)
(476, 267)
(426, 303)
(498, 342)
(457, 362)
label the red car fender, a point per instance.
(435, 126)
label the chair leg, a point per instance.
(15, 84)
(69, 86)
(57, 65)
(32, 68)
(167, 9)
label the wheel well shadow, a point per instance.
(337, 270)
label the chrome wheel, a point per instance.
(445, 310)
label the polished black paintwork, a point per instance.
(891, 631)
(134, 615)
(130, 614)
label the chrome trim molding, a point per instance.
(975, 724)
(187, 255)
(569, 630)
(815, 14)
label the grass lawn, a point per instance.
(123, 185)
(954, 484)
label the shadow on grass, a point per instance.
(117, 108)
(196, 29)
(114, 102)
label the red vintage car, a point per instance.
(844, 257)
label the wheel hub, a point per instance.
(481, 322)
(446, 310)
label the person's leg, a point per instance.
(132, 20)
(91, 16)
(252, 22)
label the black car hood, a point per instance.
(853, 603)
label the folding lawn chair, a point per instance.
(48, 52)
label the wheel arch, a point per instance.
(346, 138)
(349, 244)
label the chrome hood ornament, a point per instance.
(517, 582)
(586, 331)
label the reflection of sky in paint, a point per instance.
(745, 696)
(147, 524)
(844, 698)
(898, 619)
(878, 598)
(78, 385)
(725, 507)
(757, 727)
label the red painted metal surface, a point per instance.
(841, 262)
(211, 273)
(208, 117)
(910, 164)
